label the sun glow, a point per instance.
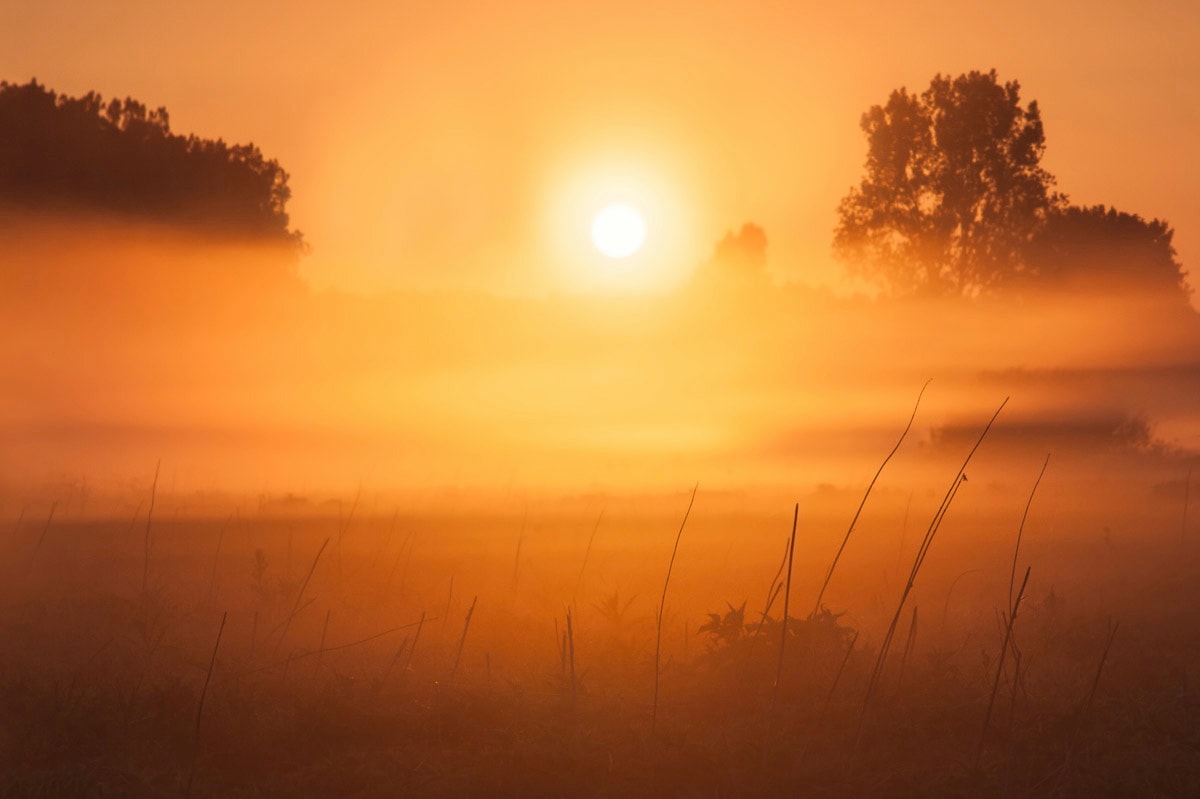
(618, 224)
(618, 231)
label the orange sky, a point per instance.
(433, 144)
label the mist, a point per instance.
(132, 344)
(657, 511)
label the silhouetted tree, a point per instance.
(954, 190)
(60, 153)
(739, 258)
(745, 250)
(1103, 248)
(955, 202)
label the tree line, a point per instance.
(954, 200)
(68, 154)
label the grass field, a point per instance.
(402, 653)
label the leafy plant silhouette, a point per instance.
(726, 630)
(613, 610)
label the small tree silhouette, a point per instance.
(738, 259)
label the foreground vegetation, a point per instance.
(455, 654)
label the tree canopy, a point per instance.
(60, 153)
(955, 202)
(1103, 248)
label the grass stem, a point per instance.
(462, 641)
(922, 551)
(861, 505)
(787, 595)
(1020, 530)
(200, 706)
(149, 520)
(662, 603)
(1008, 628)
(300, 595)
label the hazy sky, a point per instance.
(465, 143)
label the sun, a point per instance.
(618, 230)
(618, 224)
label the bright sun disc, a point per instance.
(618, 231)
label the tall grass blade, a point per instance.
(922, 551)
(787, 595)
(287, 623)
(1187, 495)
(662, 603)
(212, 578)
(908, 645)
(772, 594)
(46, 528)
(200, 706)
(1008, 628)
(1087, 704)
(587, 553)
(1020, 530)
(462, 641)
(861, 505)
(149, 521)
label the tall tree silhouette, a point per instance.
(955, 202)
(60, 153)
(954, 189)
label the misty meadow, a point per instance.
(578, 418)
